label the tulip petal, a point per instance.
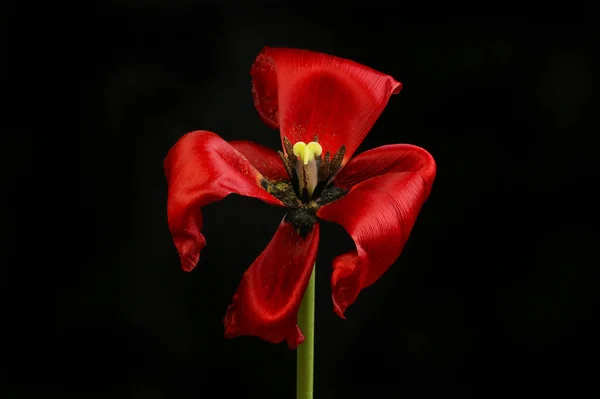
(264, 159)
(307, 94)
(379, 214)
(202, 168)
(387, 159)
(268, 298)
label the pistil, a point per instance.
(306, 169)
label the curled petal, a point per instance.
(387, 159)
(308, 94)
(379, 214)
(202, 168)
(264, 159)
(267, 301)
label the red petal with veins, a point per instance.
(379, 214)
(387, 159)
(267, 301)
(202, 168)
(264, 159)
(306, 93)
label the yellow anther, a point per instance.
(315, 148)
(299, 148)
(307, 152)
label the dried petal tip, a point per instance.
(295, 339)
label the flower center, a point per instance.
(310, 185)
(310, 173)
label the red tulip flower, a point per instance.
(323, 106)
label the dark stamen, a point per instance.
(336, 162)
(323, 167)
(283, 191)
(286, 164)
(288, 147)
(330, 194)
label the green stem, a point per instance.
(306, 350)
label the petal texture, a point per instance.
(202, 168)
(387, 159)
(264, 159)
(267, 301)
(305, 93)
(379, 214)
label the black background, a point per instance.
(494, 295)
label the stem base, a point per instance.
(306, 350)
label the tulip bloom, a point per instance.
(323, 107)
